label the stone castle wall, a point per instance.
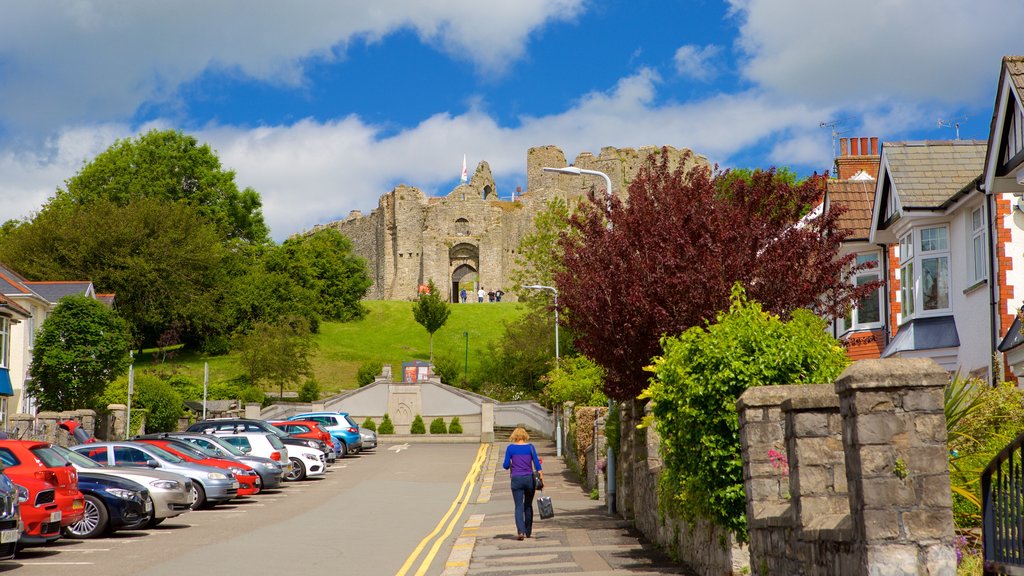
(469, 238)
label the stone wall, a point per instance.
(866, 487)
(411, 238)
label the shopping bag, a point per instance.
(546, 508)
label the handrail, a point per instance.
(1002, 496)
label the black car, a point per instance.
(253, 425)
(111, 504)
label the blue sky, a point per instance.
(322, 106)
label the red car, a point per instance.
(304, 429)
(249, 482)
(48, 491)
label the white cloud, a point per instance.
(876, 51)
(697, 62)
(99, 61)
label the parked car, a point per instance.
(311, 430)
(305, 461)
(340, 425)
(369, 438)
(48, 479)
(10, 518)
(170, 493)
(254, 425)
(270, 471)
(210, 486)
(111, 504)
(249, 482)
(259, 444)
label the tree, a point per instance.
(81, 346)
(668, 259)
(576, 379)
(697, 380)
(431, 311)
(170, 166)
(277, 353)
(539, 254)
(514, 367)
(324, 264)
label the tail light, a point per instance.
(353, 430)
(48, 476)
(275, 455)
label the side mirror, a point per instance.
(152, 464)
(245, 449)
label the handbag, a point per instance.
(545, 507)
(538, 481)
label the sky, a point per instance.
(322, 106)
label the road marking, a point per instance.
(463, 497)
(399, 447)
(58, 563)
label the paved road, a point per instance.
(365, 517)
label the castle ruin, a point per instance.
(469, 238)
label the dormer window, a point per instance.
(462, 227)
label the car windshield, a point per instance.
(173, 459)
(275, 442)
(231, 448)
(193, 450)
(49, 457)
(75, 458)
(350, 421)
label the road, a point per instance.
(366, 516)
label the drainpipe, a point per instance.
(887, 308)
(992, 276)
(610, 469)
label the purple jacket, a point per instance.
(522, 459)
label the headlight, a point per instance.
(270, 465)
(216, 476)
(123, 493)
(22, 494)
(313, 457)
(312, 444)
(237, 471)
(165, 484)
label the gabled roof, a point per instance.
(8, 309)
(54, 291)
(1005, 141)
(12, 283)
(926, 174)
(858, 197)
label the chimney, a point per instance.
(856, 155)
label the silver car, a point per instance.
(209, 485)
(270, 471)
(171, 493)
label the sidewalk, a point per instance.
(582, 538)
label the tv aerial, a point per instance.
(833, 126)
(954, 123)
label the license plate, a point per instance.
(149, 505)
(234, 484)
(55, 516)
(8, 536)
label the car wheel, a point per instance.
(298, 470)
(344, 449)
(94, 523)
(154, 522)
(199, 495)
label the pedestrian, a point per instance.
(498, 294)
(521, 460)
(490, 296)
(480, 294)
(462, 295)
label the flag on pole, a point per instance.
(465, 174)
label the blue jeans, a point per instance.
(522, 496)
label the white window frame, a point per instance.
(977, 246)
(852, 321)
(913, 257)
(5, 342)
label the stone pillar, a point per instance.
(487, 422)
(897, 466)
(252, 410)
(88, 420)
(20, 425)
(762, 435)
(47, 426)
(118, 422)
(816, 462)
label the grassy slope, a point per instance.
(387, 334)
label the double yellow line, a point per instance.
(448, 521)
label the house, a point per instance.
(11, 315)
(37, 300)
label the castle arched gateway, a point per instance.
(464, 266)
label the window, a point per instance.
(462, 227)
(924, 271)
(977, 269)
(5, 342)
(868, 311)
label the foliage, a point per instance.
(516, 363)
(666, 260)
(455, 427)
(450, 370)
(249, 282)
(277, 353)
(576, 379)
(324, 264)
(309, 391)
(369, 424)
(386, 425)
(163, 403)
(238, 388)
(698, 379)
(174, 168)
(437, 426)
(368, 372)
(81, 347)
(431, 311)
(613, 429)
(539, 254)
(418, 427)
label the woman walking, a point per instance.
(521, 460)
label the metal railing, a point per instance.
(1002, 497)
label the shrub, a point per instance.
(437, 426)
(369, 424)
(157, 397)
(418, 427)
(449, 370)
(367, 372)
(455, 427)
(386, 426)
(309, 391)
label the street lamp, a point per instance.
(574, 171)
(558, 418)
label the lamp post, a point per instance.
(558, 417)
(465, 373)
(610, 470)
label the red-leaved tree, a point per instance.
(667, 260)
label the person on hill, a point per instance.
(521, 460)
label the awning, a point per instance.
(5, 383)
(924, 334)
(1013, 337)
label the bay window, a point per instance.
(924, 271)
